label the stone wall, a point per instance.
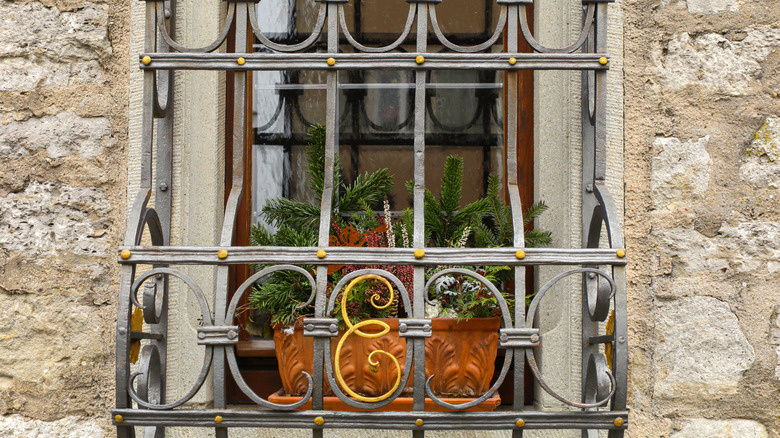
(702, 218)
(63, 134)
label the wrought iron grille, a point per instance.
(140, 396)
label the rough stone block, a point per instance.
(16, 426)
(714, 62)
(700, 428)
(51, 217)
(761, 167)
(701, 351)
(25, 74)
(774, 338)
(60, 135)
(680, 171)
(712, 6)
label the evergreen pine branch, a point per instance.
(315, 160)
(370, 188)
(536, 238)
(536, 209)
(484, 237)
(295, 214)
(452, 184)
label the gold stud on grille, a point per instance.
(146, 60)
(331, 61)
(218, 419)
(419, 253)
(125, 254)
(419, 422)
(119, 418)
(519, 423)
(603, 60)
(520, 254)
(319, 421)
(321, 253)
(222, 253)
(618, 422)
(512, 61)
(621, 253)
(240, 61)
(420, 59)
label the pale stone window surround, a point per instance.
(198, 182)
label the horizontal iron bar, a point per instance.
(144, 335)
(370, 61)
(263, 255)
(496, 420)
(593, 340)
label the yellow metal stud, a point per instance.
(618, 422)
(331, 61)
(125, 254)
(240, 61)
(519, 423)
(512, 61)
(520, 254)
(218, 419)
(621, 253)
(146, 60)
(603, 60)
(119, 418)
(321, 253)
(319, 421)
(420, 59)
(419, 253)
(222, 253)
(418, 422)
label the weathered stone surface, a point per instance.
(774, 337)
(712, 6)
(16, 426)
(59, 135)
(761, 167)
(701, 351)
(31, 29)
(50, 217)
(714, 62)
(680, 171)
(701, 428)
(750, 247)
(26, 74)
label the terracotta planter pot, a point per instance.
(461, 357)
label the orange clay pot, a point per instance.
(460, 356)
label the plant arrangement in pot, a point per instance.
(463, 346)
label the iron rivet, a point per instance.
(621, 253)
(618, 422)
(589, 188)
(122, 331)
(419, 422)
(603, 60)
(201, 335)
(232, 334)
(592, 275)
(125, 254)
(520, 423)
(240, 61)
(420, 59)
(163, 187)
(119, 418)
(534, 338)
(218, 419)
(331, 62)
(319, 421)
(520, 254)
(222, 253)
(427, 328)
(321, 253)
(512, 61)
(419, 253)
(309, 327)
(146, 60)
(504, 337)
(402, 328)
(167, 13)
(333, 328)
(621, 339)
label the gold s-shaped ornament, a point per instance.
(373, 363)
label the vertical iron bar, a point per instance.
(231, 208)
(331, 145)
(516, 205)
(601, 95)
(419, 209)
